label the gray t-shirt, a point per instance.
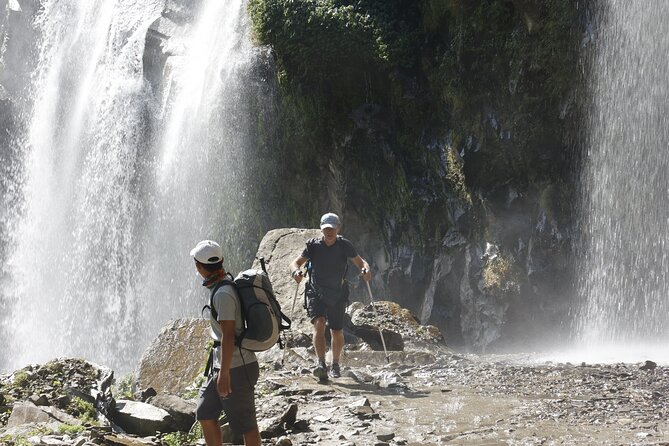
(226, 303)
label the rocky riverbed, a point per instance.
(422, 397)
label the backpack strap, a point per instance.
(209, 367)
(227, 281)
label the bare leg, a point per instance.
(212, 432)
(319, 337)
(337, 344)
(252, 438)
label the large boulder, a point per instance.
(175, 357)
(142, 419)
(279, 247)
(400, 327)
(182, 411)
(26, 413)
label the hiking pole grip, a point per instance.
(378, 321)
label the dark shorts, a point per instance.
(239, 406)
(334, 314)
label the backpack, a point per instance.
(261, 313)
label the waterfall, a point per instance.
(625, 268)
(121, 177)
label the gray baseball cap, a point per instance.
(330, 220)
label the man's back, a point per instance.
(227, 305)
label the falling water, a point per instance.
(119, 178)
(625, 269)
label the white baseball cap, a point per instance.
(330, 220)
(207, 252)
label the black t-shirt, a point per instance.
(328, 263)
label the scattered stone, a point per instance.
(124, 440)
(648, 365)
(181, 411)
(148, 393)
(289, 416)
(40, 400)
(385, 436)
(26, 413)
(283, 441)
(362, 402)
(142, 419)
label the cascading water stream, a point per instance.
(72, 255)
(625, 270)
(117, 183)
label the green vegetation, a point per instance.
(16, 441)
(71, 429)
(500, 277)
(182, 438)
(82, 409)
(371, 91)
(21, 379)
(124, 387)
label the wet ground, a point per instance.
(445, 398)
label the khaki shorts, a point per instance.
(239, 406)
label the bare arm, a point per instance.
(364, 267)
(227, 348)
(295, 265)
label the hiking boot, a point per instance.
(335, 372)
(321, 373)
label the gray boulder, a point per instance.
(279, 247)
(26, 413)
(175, 357)
(182, 411)
(142, 419)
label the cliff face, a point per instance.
(442, 131)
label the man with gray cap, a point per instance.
(234, 371)
(327, 290)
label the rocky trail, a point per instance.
(422, 397)
(445, 398)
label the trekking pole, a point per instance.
(378, 319)
(292, 316)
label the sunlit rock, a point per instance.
(141, 418)
(176, 356)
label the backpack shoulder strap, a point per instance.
(227, 281)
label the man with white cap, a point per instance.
(234, 371)
(327, 289)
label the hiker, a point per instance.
(327, 290)
(234, 371)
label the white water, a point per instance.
(625, 269)
(117, 183)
